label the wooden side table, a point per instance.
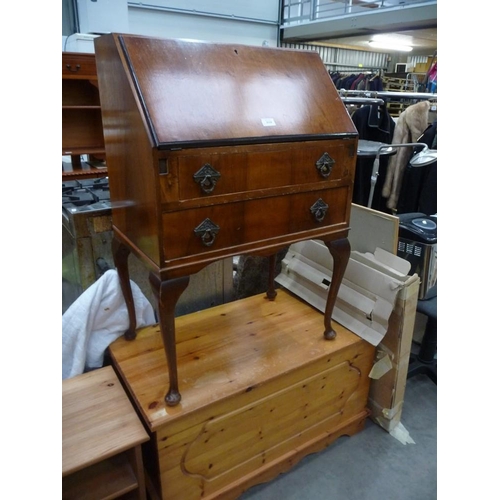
(101, 439)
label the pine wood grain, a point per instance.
(225, 351)
(98, 420)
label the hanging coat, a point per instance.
(419, 188)
(373, 123)
(411, 124)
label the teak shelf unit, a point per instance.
(218, 150)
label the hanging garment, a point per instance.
(411, 124)
(432, 79)
(419, 187)
(356, 82)
(346, 81)
(373, 123)
(375, 84)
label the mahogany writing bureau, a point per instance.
(216, 150)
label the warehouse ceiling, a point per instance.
(412, 24)
(422, 40)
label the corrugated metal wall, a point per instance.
(337, 59)
(414, 60)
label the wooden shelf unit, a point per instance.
(82, 131)
(112, 478)
(102, 437)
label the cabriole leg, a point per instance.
(340, 251)
(168, 293)
(271, 290)
(120, 257)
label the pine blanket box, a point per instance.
(261, 389)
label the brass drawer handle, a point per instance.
(325, 165)
(207, 178)
(207, 231)
(319, 210)
(77, 68)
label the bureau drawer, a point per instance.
(228, 171)
(232, 228)
(79, 66)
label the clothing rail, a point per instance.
(382, 94)
(354, 66)
(362, 100)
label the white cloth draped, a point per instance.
(95, 320)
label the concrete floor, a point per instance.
(372, 464)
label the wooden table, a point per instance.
(219, 150)
(101, 439)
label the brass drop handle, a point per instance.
(325, 165)
(207, 178)
(77, 68)
(319, 210)
(207, 231)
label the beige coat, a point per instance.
(410, 125)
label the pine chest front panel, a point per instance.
(225, 454)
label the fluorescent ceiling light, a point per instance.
(390, 46)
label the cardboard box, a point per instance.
(367, 294)
(371, 229)
(390, 370)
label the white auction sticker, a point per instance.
(268, 122)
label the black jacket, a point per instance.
(373, 123)
(419, 187)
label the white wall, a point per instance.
(266, 10)
(254, 22)
(201, 27)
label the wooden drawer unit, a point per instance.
(78, 65)
(215, 150)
